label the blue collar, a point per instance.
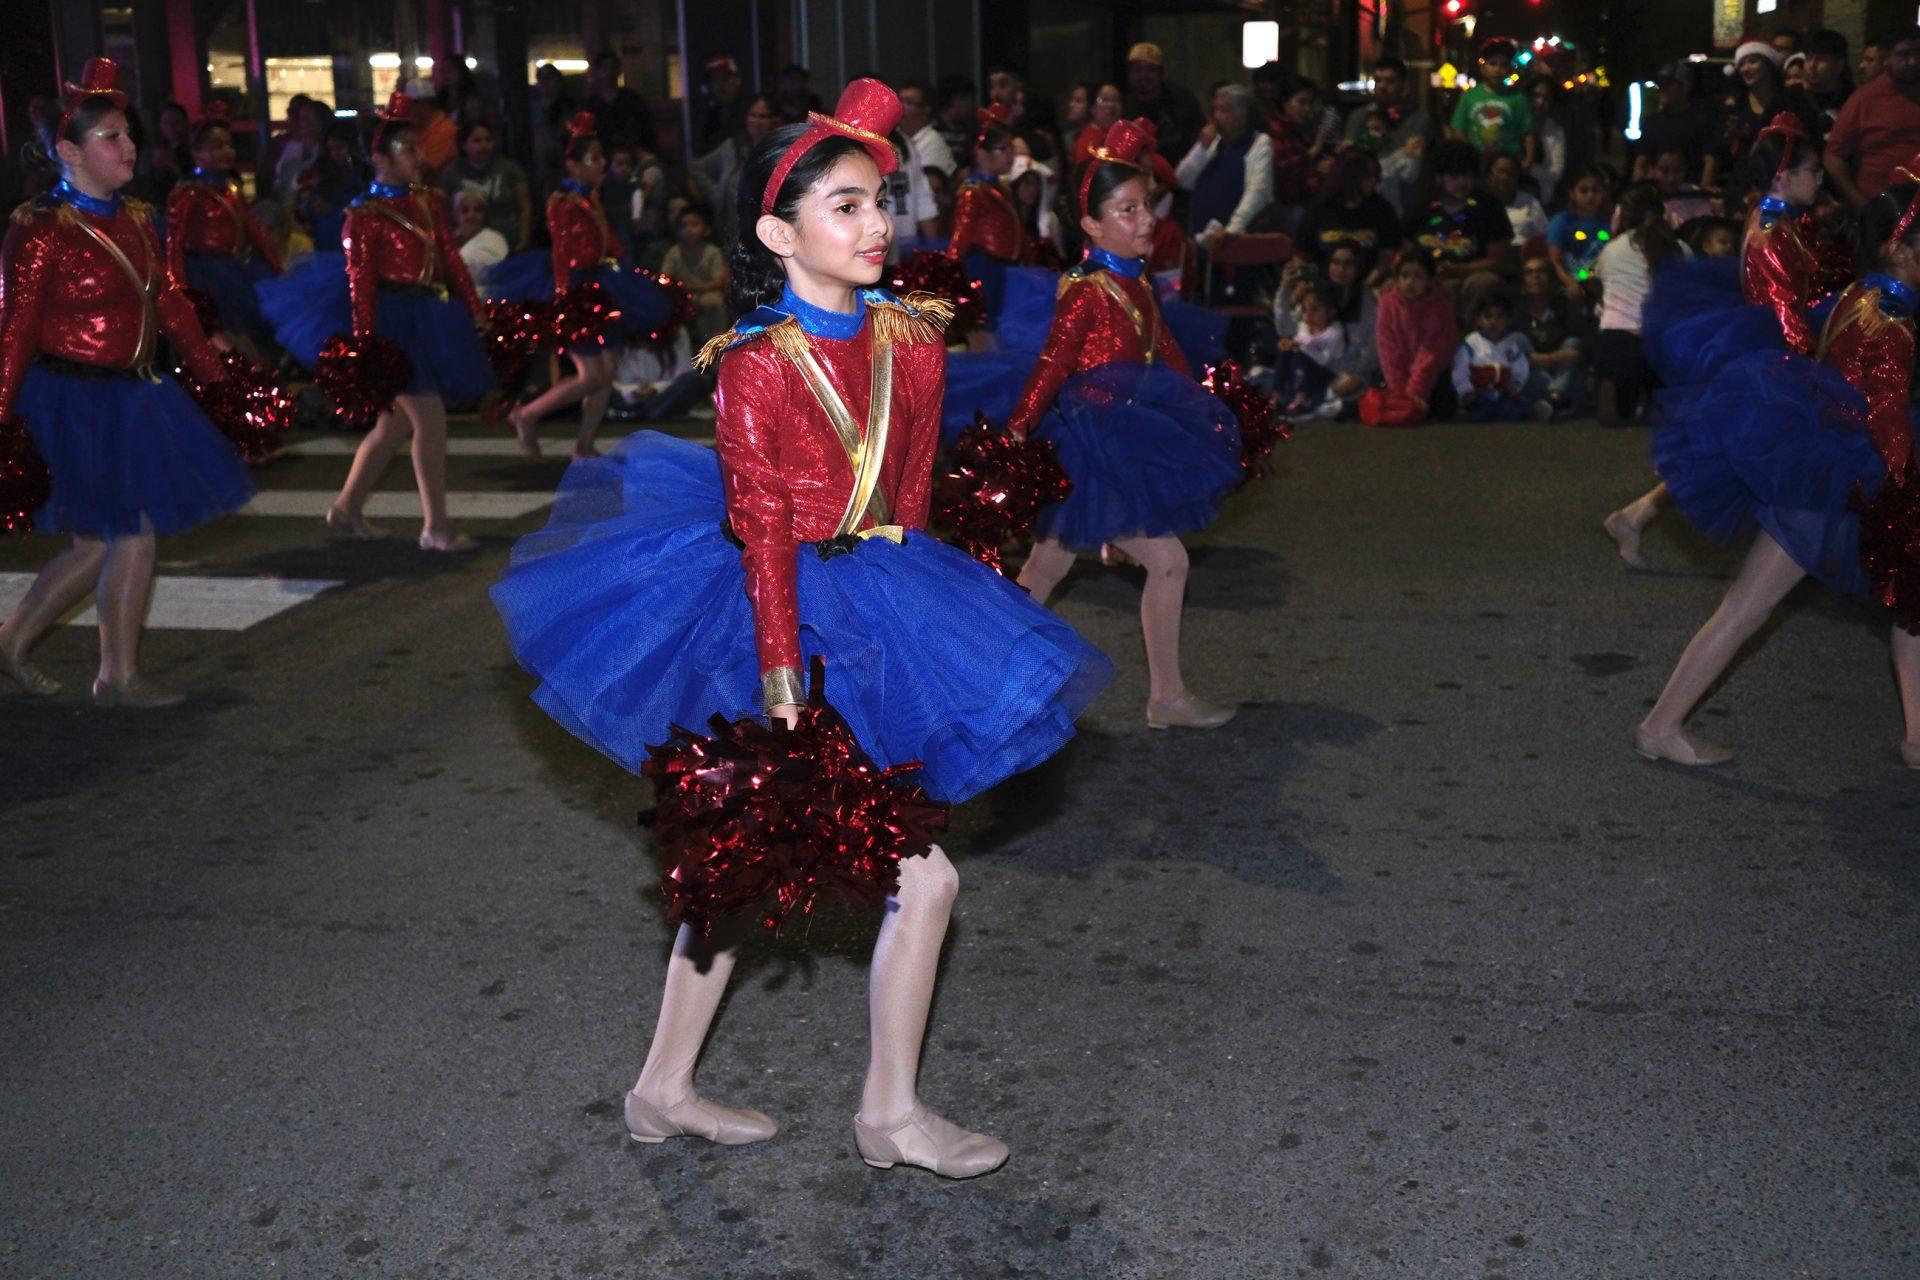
(578, 189)
(1774, 206)
(67, 193)
(988, 178)
(818, 322)
(1896, 299)
(1131, 268)
(213, 179)
(390, 190)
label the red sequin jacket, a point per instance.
(1093, 325)
(983, 219)
(1786, 264)
(210, 217)
(1874, 351)
(789, 480)
(64, 293)
(581, 237)
(402, 240)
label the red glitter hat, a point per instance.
(1791, 131)
(1909, 172)
(217, 112)
(580, 126)
(1124, 143)
(100, 78)
(867, 112)
(398, 111)
(994, 113)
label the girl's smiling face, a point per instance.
(1126, 222)
(839, 234)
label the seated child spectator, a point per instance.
(1625, 272)
(1556, 332)
(1685, 202)
(695, 262)
(1490, 370)
(481, 247)
(657, 380)
(1355, 310)
(1711, 237)
(1304, 369)
(1528, 219)
(1576, 236)
(619, 192)
(1466, 231)
(1416, 335)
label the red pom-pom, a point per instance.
(940, 275)
(516, 332)
(1890, 544)
(993, 489)
(361, 375)
(249, 406)
(766, 821)
(1261, 426)
(25, 484)
(584, 314)
(681, 314)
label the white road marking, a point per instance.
(199, 604)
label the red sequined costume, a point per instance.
(984, 219)
(1874, 351)
(69, 296)
(1101, 318)
(403, 240)
(213, 217)
(788, 479)
(582, 239)
(1787, 263)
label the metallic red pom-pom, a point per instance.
(681, 314)
(25, 483)
(1261, 426)
(992, 489)
(361, 375)
(938, 274)
(249, 405)
(766, 821)
(584, 314)
(516, 332)
(1890, 544)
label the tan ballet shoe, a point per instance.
(930, 1142)
(1680, 747)
(1187, 712)
(694, 1117)
(135, 693)
(351, 524)
(27, 676)
(1626, 538)
(455, 544)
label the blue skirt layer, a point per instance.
(986, 382)
(526, 276)
(127, 454)
(1150, 451)
(1695, 321)
(229, 281)
(1200, 334)
(631, 609)
(307, 304)
(449, 358)
(1783, 439)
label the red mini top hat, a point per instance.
(398, 111)
(1909, 172)
(217, 112)
(1791, 131)
(994, 113)
(1124, 144)
(100, 78)
(582, 125)
(867, 112)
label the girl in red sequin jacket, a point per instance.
(215, 244)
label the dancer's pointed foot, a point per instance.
(27, 676)
(1680, 747)
(928, 1141)
(441, 540)
(527, 431)
(587, 450)
(343, 523)
(135, 693)
(1625, 537)
(1186, 712)
(694, 1117)
(1910, 754)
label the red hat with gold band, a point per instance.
(581, 126)
(1908, 172)
(867, 112)
(100, 78)
(1791, 132)
(1124, 144)
(987, 117)
(398, 111)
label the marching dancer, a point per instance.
(1150, 451)
(987, 236)
(402, 264)
(214, 243)
(1802, 439)
(86, 301)
(671, 584)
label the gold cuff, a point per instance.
(781, 686)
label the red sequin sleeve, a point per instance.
(453, 267)
(179, 210)
(26, 271)
(749, 405)
(363, 284)
(174, 310)
(262, 242)
(561, 223)
(1073, 318)
(1884, 372)
(924, 366)
(1779, 276)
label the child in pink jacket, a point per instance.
(1416, 339)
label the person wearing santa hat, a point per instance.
(1758, 93)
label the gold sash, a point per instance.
(142, 285)
(1149, 336)
(863, 455)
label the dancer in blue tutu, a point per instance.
(1150, 451)
(407, 284)
(672, 583)
(1802, 440)
(132, 456)
(1703, 313)
(585, 252)
(215, 244)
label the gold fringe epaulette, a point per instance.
(919, 317)
(24, 212)
(787, 337)
(1070, 278)
(138, 210)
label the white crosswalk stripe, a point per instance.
(199, 604)
(459, 447)
(312, 504)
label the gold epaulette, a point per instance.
(26, 211)
(1075, 275)
(787, 337)
(919, 317)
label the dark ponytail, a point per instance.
(1643, 218)
(758, 276)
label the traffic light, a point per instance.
(1455, 8)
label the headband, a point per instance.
(867, 112)
(1122, 145)
(1788, 128)
(100, 78)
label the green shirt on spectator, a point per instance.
(1495, 122)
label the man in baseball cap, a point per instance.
(1172, 108)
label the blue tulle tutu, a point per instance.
(1695, 321)
(1778, 441)
(229, 281)
(127, 454)
(307, 304)
(631, 609)
(526, 276)
(1150, 451)
(1200, 334)
(990, 381)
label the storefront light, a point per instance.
(1259, 43)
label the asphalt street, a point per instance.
(1413, 970)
